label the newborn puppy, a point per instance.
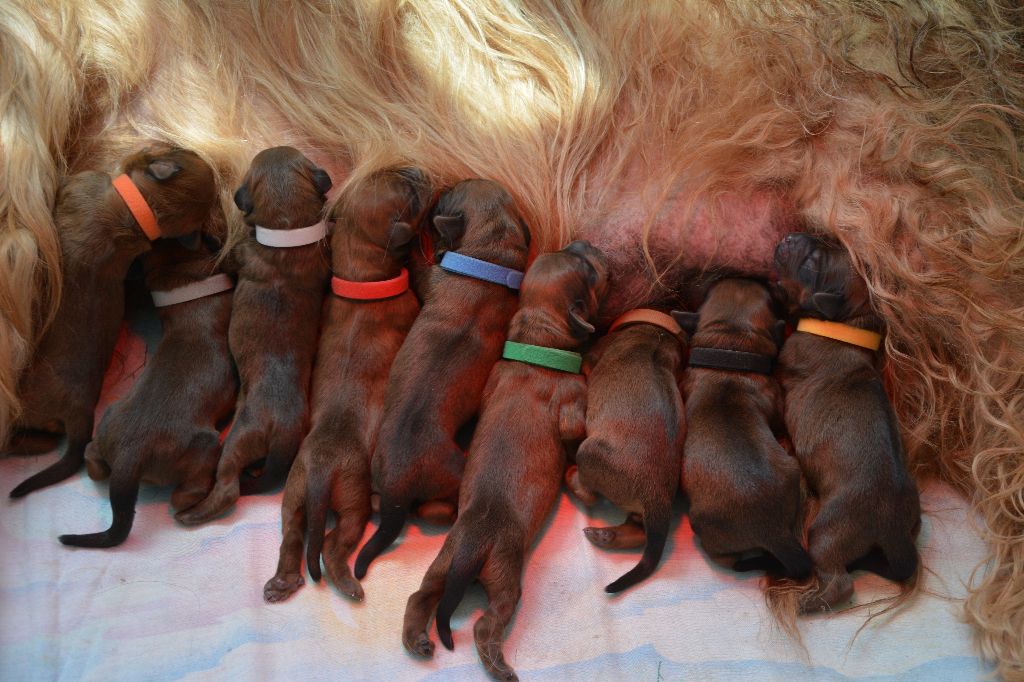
(364, 325)
(635, 434)
(842, 425)
(275, 318)
(744, 489)
(439, 374)
(164, 431)
(517, 456)
(103, 223)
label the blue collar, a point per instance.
(481, 269)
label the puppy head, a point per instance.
(561, 294)
(179, 187)
(282, 190)
(737, 307)
(386, 209)
(818, 278)
(477, 212)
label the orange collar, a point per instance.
(136, 203)
(841, 332)
(371, 291)
(647, 316)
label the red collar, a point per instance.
(371, 291)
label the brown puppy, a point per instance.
(438, 377)
(635, 433)
(842, 426)
(164, 431)
(275, 318)
(358, 342)
(516, 459)
(744, 489)
(100, 237)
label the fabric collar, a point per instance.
(289, 238)
(371, 291)
(841, 332)
(647, 316)
(190, 292)
(481, 269)
(138, 206)
(731, 360)
(542, 356)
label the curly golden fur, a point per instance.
(676, 136)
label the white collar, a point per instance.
(190, 292)
(289, 238)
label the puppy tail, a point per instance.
(124, 491)
(64, 468)
(465, 567)
(316, 522)
(392, 520)
(656, 528)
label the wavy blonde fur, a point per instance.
(895, 126)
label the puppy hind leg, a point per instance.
(351, 497)
(572, 481)
(629, 534)
(199, 480)
(421, 604)
(288, 578)
(95, 465)
(242, 447)
(501, 580)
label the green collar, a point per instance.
(553, 358)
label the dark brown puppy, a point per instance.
(438, 377)
(635, 433)
(843, 429)
(99, 238)
(516, 459)
(744, 489)
(164, 432)
(375, 230)
(275, 318)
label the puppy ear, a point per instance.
(450, 227)
(322, 181)
(687, 320)
(578, 324)
(162, 169)
(829, 305)
(401, 234)
(243, 200)
(779, 332)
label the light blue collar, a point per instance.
(481, 269)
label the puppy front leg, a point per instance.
(422, 603)
(572, 413)
(288, 578)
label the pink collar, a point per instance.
(371, 291)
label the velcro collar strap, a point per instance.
(138, 206)
(290, 238)
(190, 292)
(731, 360)
(647, 316)
(371, 291)
(482, 270)
(542, 356)
(841, 332)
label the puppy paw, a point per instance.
(420, 645)
(600, 537)
(280, 587)
(350, 587)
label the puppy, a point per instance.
(635, 434)
(439, 374)
(275, 317)
(164, 431)
(744, 489)
(516, 459)
(842, 425)
(362, 332)
(171, 192)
